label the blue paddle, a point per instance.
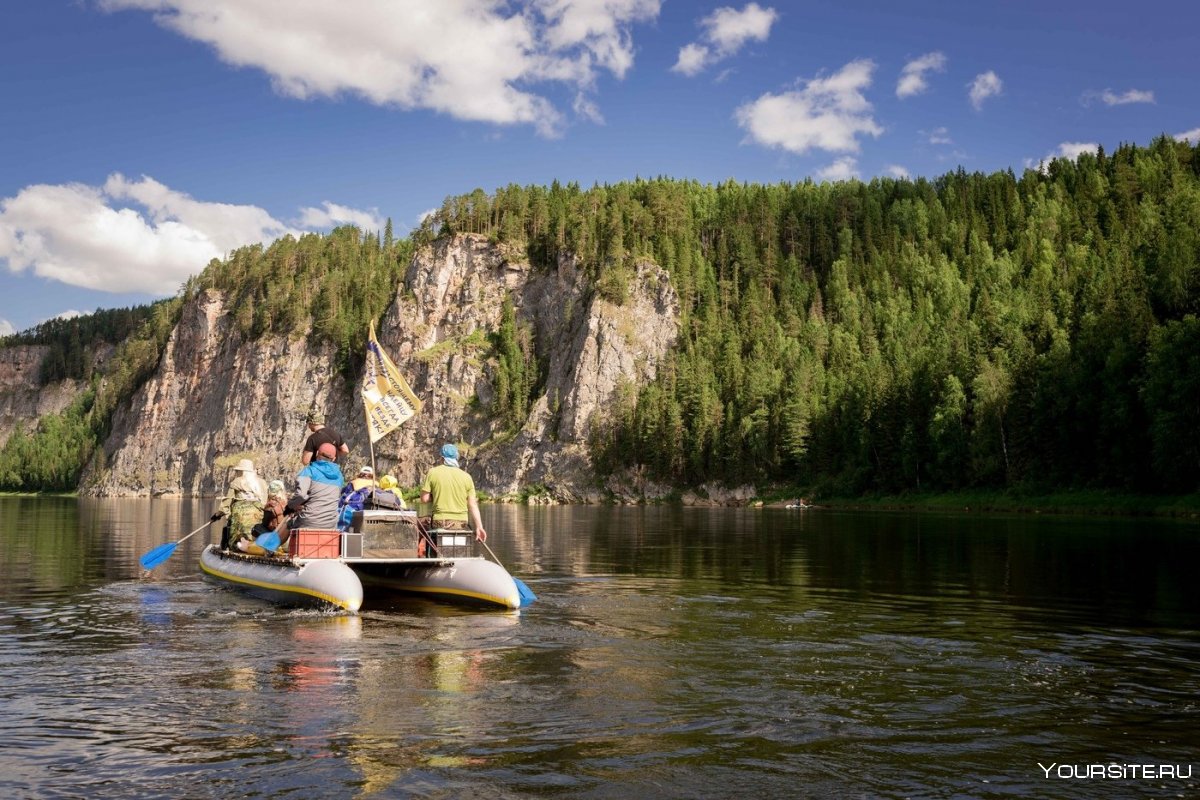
(524, 592)
(161, 553)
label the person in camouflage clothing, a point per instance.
(243, 503)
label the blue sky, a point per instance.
(141, 138)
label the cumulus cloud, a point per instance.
(912, 77)
(473, 60)
(986, 84)
(724, 32)
(897, 171)
(1192, 136)
(1074, 150)
(332, 214)
(842, 169)
(1068, 150)
(826, 113)
(135, 235)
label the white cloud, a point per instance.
(897, 171)
(470, 59)
(1111, 98)
(586, 109)
(135, 236)
(843, 169)
(1074, 150)
(986, 84)
(693, 58)
(1069, 150)
(912, 77)
(6, 328)
(1192, 136)
(333, 214)
(725, 31)
(940, 136)
(826, 114)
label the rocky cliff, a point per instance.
(216, 397)
(22, 400)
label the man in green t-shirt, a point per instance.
(452, 493)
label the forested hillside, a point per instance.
(51, 455)
(975, 330)
(970, 331)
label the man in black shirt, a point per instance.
(318, 434)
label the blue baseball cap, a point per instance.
(449, 451)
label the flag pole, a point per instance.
(371, 445)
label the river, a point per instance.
(672, 653)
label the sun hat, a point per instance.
(388, 482)
(449, 451)
(366, 471)
(327, 450)
(275, 487)
(245, 465)
(315, 418)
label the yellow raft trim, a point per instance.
(280, 587)
(512, 601)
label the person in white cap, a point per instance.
(243, 503)
(365, 478)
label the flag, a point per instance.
(388, 399)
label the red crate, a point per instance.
(313, 543)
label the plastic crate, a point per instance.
(313, 543)
(454, 544)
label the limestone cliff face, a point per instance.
(213, 400)
(22, 401)
(457, 288)
(216, 398)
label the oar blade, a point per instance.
(269, 541)
(158, 555)
(526, 594)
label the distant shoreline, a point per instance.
(1080, 503)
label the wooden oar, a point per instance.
(526, 594)
(161, 553)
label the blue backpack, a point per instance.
(351, 500)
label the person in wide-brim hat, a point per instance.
(243, 503)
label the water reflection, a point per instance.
(673, 652)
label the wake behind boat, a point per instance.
(377, 557)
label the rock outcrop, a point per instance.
(216, 397)
(22, 401)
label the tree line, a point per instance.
(970, 331)
(974, 330)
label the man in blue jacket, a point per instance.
(318, 487)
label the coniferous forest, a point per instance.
(972, 331)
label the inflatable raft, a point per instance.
(326, 568)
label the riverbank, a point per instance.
(1084, 503)
(1091, 503)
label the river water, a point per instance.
(672, 653)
